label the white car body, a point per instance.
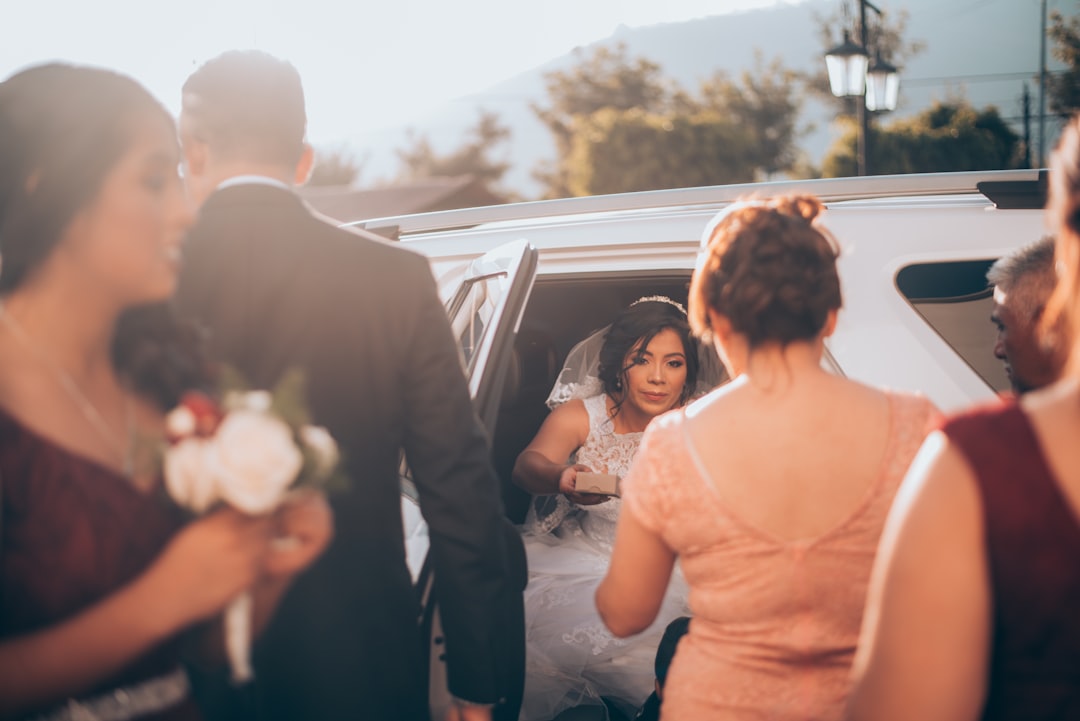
(883, 225)
(559, 269)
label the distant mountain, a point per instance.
(984, 50)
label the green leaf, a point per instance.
(290, 399)
(231, 380)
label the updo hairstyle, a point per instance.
(62, 130)
(636, 326)
(1063, 208)
(770, 269)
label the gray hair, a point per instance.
(1028, 274)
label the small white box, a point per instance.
(604, 484)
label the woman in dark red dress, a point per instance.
(100, 582)
(974, 611)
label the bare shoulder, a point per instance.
(570, 417)
(562, 432)
(912, 407)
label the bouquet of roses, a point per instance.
(248, 450)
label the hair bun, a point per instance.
(770, 270)
(806, 207)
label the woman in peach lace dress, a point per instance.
(771, 491)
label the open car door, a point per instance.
(485, 313)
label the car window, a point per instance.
(954, 299)
(478, 298)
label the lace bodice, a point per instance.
(604, 451)
(775, 621)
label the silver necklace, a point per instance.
(122, 447)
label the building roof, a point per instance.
(347, 204)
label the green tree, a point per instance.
(617, 151)
(950, 136)
(1063, 88)
(473, 157)
(765, 103)
(606, 78)
(619, 124)
(335, 166)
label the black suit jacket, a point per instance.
(278, 288)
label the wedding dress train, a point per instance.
(571, 658)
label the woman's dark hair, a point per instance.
(635, 327)
(62, 130)
(770, 269)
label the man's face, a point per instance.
(1028, 365)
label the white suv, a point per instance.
(524, 282)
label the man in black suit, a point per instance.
(279, 288)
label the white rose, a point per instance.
(257, 460)
(249, 401)
(180, 423)
(190, 474)
(258, 401)
(323, 448)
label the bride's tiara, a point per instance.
(659, 299)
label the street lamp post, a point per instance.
(882, 85)
(851, 75)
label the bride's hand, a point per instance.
(568, 484)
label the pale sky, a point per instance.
(366, 65)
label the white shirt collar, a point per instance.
(252, 180)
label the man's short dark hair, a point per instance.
(666, 650)
(247, 105)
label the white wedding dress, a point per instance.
(571, 658)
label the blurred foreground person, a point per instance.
(973, 609)
(279, 288)
(771, 490)
(98, 576)
(1023, 282)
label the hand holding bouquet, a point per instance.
(251, 451)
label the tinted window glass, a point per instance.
(955, 299)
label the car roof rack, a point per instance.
(1017, 194)
(1006, 184)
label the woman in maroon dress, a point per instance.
(973, 611)
(99, 578)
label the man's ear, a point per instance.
(195, 156)
(305, 165)
(830, 323)
(719, 324)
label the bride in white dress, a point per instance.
(616, 381)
